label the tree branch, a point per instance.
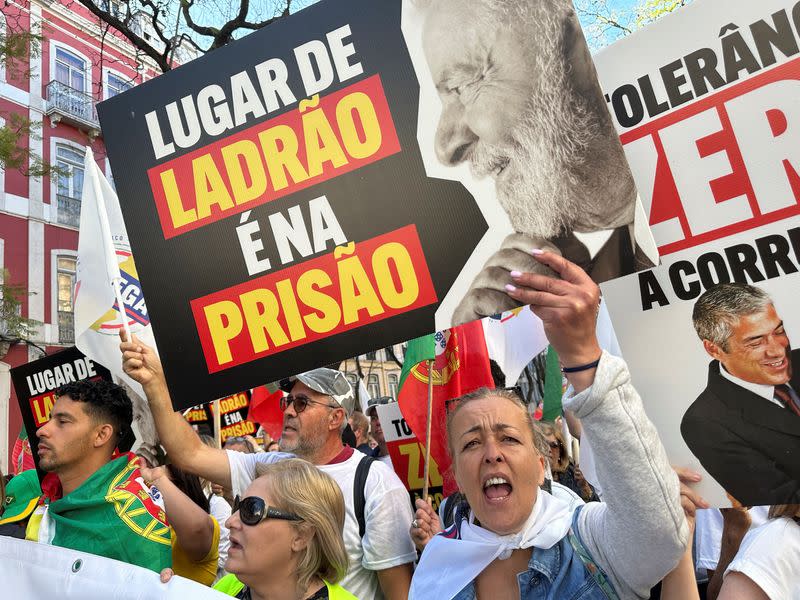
(128, 33)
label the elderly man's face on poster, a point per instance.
(502, 71)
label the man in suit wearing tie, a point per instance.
(745, 426)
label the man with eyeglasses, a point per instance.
(315, 412)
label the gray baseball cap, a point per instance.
(325, 381)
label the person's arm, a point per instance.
(193, 526)
(738, 586)
(735, 525)
(680, 583)
(573, 424)
(182, 444)
(396, 581)
(639, 533)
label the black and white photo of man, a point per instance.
(521, 104)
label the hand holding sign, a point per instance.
(568, 309)
(141, 363)
(426, 523)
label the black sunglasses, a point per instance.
(301, 401)
(554, 444)
(253, 510)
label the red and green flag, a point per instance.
(460, 365)
(112, 514)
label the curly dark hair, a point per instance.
(105, 402)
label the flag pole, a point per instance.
(112, 266)
(428, 431)
(217, 425)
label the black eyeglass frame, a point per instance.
(252, 518)
(290, 399)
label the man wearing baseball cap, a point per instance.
(22, 496)
(315, 412)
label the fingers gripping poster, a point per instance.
(341, 181)
(706, 103)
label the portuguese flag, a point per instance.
(460, 365)
(113, 514)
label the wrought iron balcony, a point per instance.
(72, 106)
(69, 210)
(66, 327)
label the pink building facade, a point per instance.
(58, 88)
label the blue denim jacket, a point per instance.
(558, 573)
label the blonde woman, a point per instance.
(286, 536)
(564, 470)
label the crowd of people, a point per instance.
(308, 517)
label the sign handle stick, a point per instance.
(109, 252)
(115, 283)
(217, 425)
(428, 431)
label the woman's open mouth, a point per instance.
(497, 489)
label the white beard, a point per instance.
(543, 193)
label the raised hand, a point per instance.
(567, 306)
(140, 362)
(425, 525)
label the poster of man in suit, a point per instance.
(710, 335)
(744, 427)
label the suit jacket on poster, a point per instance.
(618, 256)
(750, 445)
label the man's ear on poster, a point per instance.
(713, 350)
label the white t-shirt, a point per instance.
(769, 556)
(708, 539)
(221, 510)
(387, 513)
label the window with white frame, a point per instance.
(69, 185)
(114, 7)
(70, 69)
(116, 85)
(65, 283)
(391, 379)
(373, 386)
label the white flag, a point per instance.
(513, 339)
(104, 254)
(34, 570)
(363, 395)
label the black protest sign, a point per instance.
(233, 412)
(36, 383)
(279, 204)
(295, 213)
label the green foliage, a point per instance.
(13, 156)
(15, 49)
(651, 10)
(13, 326)
(604, 22)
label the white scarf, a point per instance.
(448, 565)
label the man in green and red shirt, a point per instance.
(94, 499)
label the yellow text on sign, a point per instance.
(416, 466)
